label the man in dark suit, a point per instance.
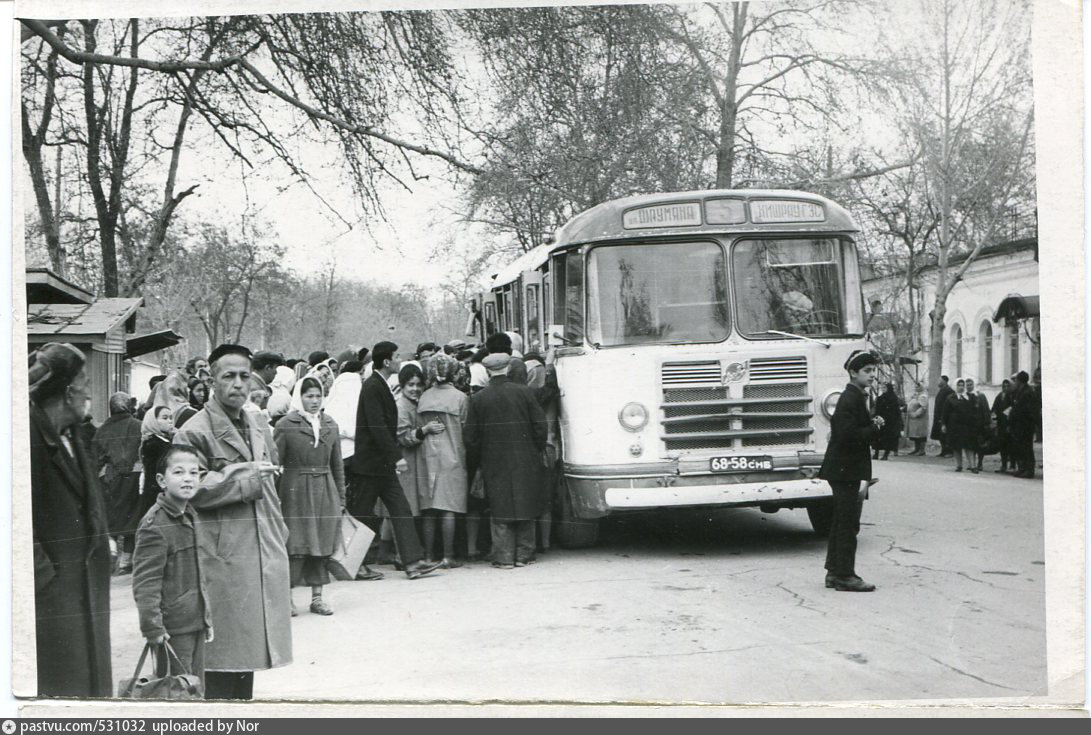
(1022, 422)
(377, 462)
(847, 467)
(945, 391)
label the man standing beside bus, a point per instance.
(847, 467)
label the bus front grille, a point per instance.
(774, 414)
(778, 368)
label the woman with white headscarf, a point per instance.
(312, 489)
(280, 401)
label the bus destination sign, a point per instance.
(680, 214)
(767, 211)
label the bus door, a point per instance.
(490, 302)
(533, 328)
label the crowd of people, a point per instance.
(226, 489)
(964, 423)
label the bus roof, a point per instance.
(607, 221)
(620, 218)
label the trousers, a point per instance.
(365, 490)
(229, 685)
(512, 541)
(841, 551)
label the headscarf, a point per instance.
(314, 419)
(281, 387)
(193, 383)
(442, 368)
(154, 427)
(516, 344)
(173, 392)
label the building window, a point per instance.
(1013, 348)
(956, 348)
(985, 338)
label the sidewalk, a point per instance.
(992, 461)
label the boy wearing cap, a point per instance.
(847, 464)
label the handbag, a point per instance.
(477, 487)
(356, 539)
(171, 686)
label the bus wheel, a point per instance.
(573, 532)
(821, 515)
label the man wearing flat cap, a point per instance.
(242, 537)
(847, 467)
(263, 369)
(505, 434)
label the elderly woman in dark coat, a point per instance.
(889, 406)
(71, 538)
(312, 490)
(117, 450)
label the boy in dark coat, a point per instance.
(847, 464)
(170, 592)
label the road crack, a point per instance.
(971, 676)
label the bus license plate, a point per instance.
(741, 464)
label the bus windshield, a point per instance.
(793, 286)
(661, 292)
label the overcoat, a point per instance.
(312, 488)
(377, 449)
(445, 453)
(917, 417)
(848, 455)
(937, 414)
(117, 452)
(1023, 419)
(1000, 405)
(505, 434)
(151, 451)
(243, 541)
(415, 478)
(962, 417)
(889, 407)
(71, 566)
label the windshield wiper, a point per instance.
(797, 336)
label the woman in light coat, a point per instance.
(447, 489)
(917, 425)
(413, 479)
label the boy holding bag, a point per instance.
(167, 581)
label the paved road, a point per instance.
(725, 607)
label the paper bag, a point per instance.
(355, 541)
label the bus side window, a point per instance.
(532, 315)
(490, 319)
(573, 322)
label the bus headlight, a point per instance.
(633, 417)
(829, 403)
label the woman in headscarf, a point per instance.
(70, 533)
(446, 488)
(312, 489)
(172, 392)
(152, 449)
(960, 423)
(198, 396)
(280, 402)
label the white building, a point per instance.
(992, 321)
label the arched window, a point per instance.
(1012, 333)
(985, 352)
(956, 349)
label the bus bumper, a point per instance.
(597, 497)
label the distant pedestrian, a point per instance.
(917, 420)
(505, 434)
(983, 422)
(410, 438)
(847, 467)
(1000, 412)
(117, 451)
(1022, 423)
(280, 397)
(446, 487)
(168, 584)
(70, 532)
(378, 461)
(312, 490)
(889, 406)
(961, 425)
(942, 394)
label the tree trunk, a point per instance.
(32, 152)
(729, 110)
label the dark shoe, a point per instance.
(475, 556)
(421, 568)
(1001, 471)
(852, 584)
(830, 581)
(975, 470)
(525, 562)
(958, 469)
(366, 574)
(321, 607)
(449, 564)
(398, 566)
(502, 565)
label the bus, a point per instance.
(698, 340)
